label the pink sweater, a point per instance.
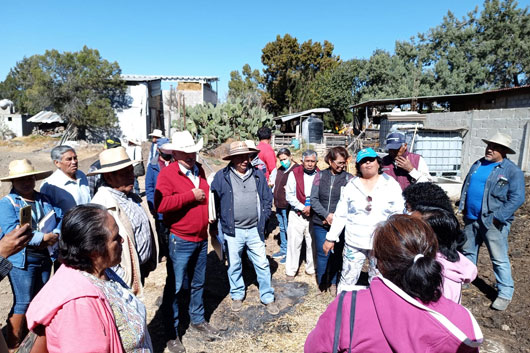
(388, 320)
(455, 274)
(77, 315)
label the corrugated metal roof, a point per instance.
(288, 117)
(46, 117)
(428, 98)
(147, 78)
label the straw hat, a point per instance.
(183, 141)
(156, 133)
(21, 168)
(134, 141)
(501, 139)
(238, 148)
(112, 160)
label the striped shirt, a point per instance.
(139, 222)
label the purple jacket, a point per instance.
(389, 320)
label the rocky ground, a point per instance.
(301, 303)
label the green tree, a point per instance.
(504, 33)
(339, 87)
(80, 86)
(246, 84)
(289, 69)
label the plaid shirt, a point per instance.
(5, 267)
(139, 222)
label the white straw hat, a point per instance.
(501, 139)
(156, 133)
(183, 141)
(20, 168)
(112, 160)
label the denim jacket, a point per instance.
(224, 201)
(504, 192)
(10, 219)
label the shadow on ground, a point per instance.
(217, 309)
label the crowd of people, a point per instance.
(100, 240)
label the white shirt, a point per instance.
(135, 153)
(193, 176)
(290, 190)
(65, 192)
(421, 174)
(352, 210)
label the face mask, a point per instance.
(309, 172)
(165, 156)
(286, 163)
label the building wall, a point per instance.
(133, 121)
(16, 123)
(482, 124)
(210, 96)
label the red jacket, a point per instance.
(186, 217)
(267, 155)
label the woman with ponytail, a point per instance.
(403, 310)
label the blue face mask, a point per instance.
(285, 163)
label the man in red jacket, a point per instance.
(181, 195)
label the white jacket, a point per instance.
(352, 210)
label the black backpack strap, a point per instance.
(352, 316)
(338, 320)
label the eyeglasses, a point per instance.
(369, 206)
(340, 163)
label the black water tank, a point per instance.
(315, 128)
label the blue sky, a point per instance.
(210, 37)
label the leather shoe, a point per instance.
(206, 328)
(176, 346)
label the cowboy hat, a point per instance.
(134, 141)
(501, 139)
(20, 168)
(112, 160)
(238, 148)
(156, 133)
(182, 141)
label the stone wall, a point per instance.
(481, 124)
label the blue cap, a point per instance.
(395, 140)
(161, 141)
(364, 153)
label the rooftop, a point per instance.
(147, 78)
(435, 98)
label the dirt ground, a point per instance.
(301, 303)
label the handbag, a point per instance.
(139, 169)
(338, 320)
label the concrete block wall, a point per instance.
(482, 124)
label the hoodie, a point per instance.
(455, 274)
(389, 320)
(76, 314)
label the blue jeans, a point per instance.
(328, 266)
(281, 214)
(136, 186)
(27, 282)
(497, 243)
(188, 257)
(256, 254)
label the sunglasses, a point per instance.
(369, 205)
(367, 159)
